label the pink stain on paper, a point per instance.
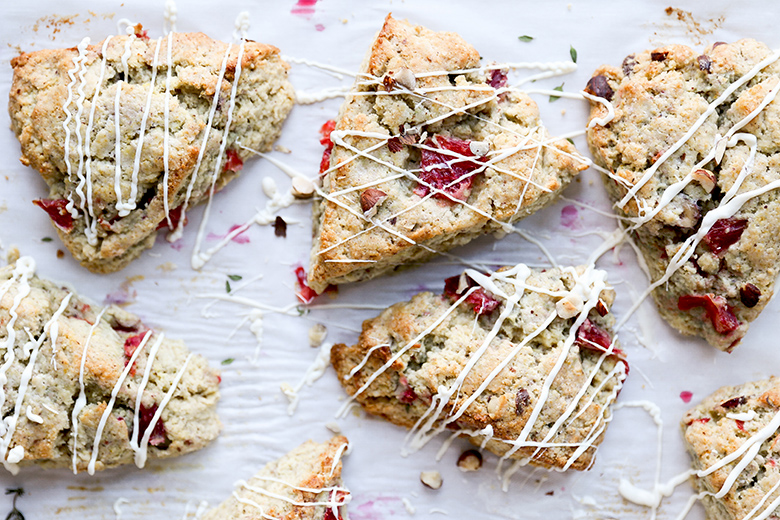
(570, 217)
(304, 8)
(241, 238)
(686, 396)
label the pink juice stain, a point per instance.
(304, 8)
(241, 238)
(570, 217)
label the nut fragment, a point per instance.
(470, 460)
(569, 306)
(522, 399)
(370, 199)
(432, 479)
(479, 148)
(317, 334)
(302, 188)
(705, 63)
(749, 295)
(599, 86)
(659, 55)
(628, 64)
(602, 308)
(405, 78)
(704, 177)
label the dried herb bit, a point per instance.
(227, 286)
(573, 53)
(559, 88)
(46, 239)
(228, 361)
(15, 514)
(525, 38)
(235, 277)
(570, 140)
(280, 227)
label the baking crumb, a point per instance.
(167, 267)
(568, 6)
(317, 334)
(563, 112)
(13, 255)
(333, 426)
(60, 253)
(344, 20)
(282, 149)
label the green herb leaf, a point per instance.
(559, 88)
(228, 361)
(46, 239)
(570, 140)
(525, 38)
(227, 286)
(235, 277)
(573, 54)
(301, 310)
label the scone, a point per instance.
(430, 150)
(690, 159)
(522, 362)
(128, 143)
(733, 437)
(304, 484)
(89, 388)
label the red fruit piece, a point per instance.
(405, 392)
(131, 345)
(740, 424)
(145, 417)
(442, 171)
(481, 301)
(724, 233)
(57, 212)
(498, 78)
(305, 293)
(175, 215)
(233, 163)
(325, 132)
(702, 420)
(592, 337)
(734, 402)
(717, 308)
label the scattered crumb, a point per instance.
(60, 253)
(317, 334)
(563, 112)
(282, 149)
(344, 20)
(694, 29)
(568, 6)
(550, 493)
(55, 23)
(408, 505)
(167, 267)
(154, 255)
(13, 255)
(333, 427)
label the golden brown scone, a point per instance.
(51, 406)
(728, 251)
(431, 149)
(486, 363)
(304, 484)
(723, 423)
(54, 87)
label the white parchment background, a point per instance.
(163, 289)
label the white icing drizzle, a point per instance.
(408, 506)
(313, 373)
(363, 361)
(341, 449)
(77, 61)
(170, 17)
(199, 512)
(176, 234)
(110, 406)
(140, 455)
(117, 506)
(81, 401)
(134, 441)
(745, 417)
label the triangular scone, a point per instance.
(692, 161)
(69, 99)
(522, 362)
(304, 484)
(74, 373)
(430, 150)
(729, 421)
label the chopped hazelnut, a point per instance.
(302, 188)
(704, 177)
(470, 460)
(431, 479)
(317, 334)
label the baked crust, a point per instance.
(657, 97)
(426, 362)
(45, 425)
(39, 94)
(310, 465)
(710, 435)
(408, 226)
